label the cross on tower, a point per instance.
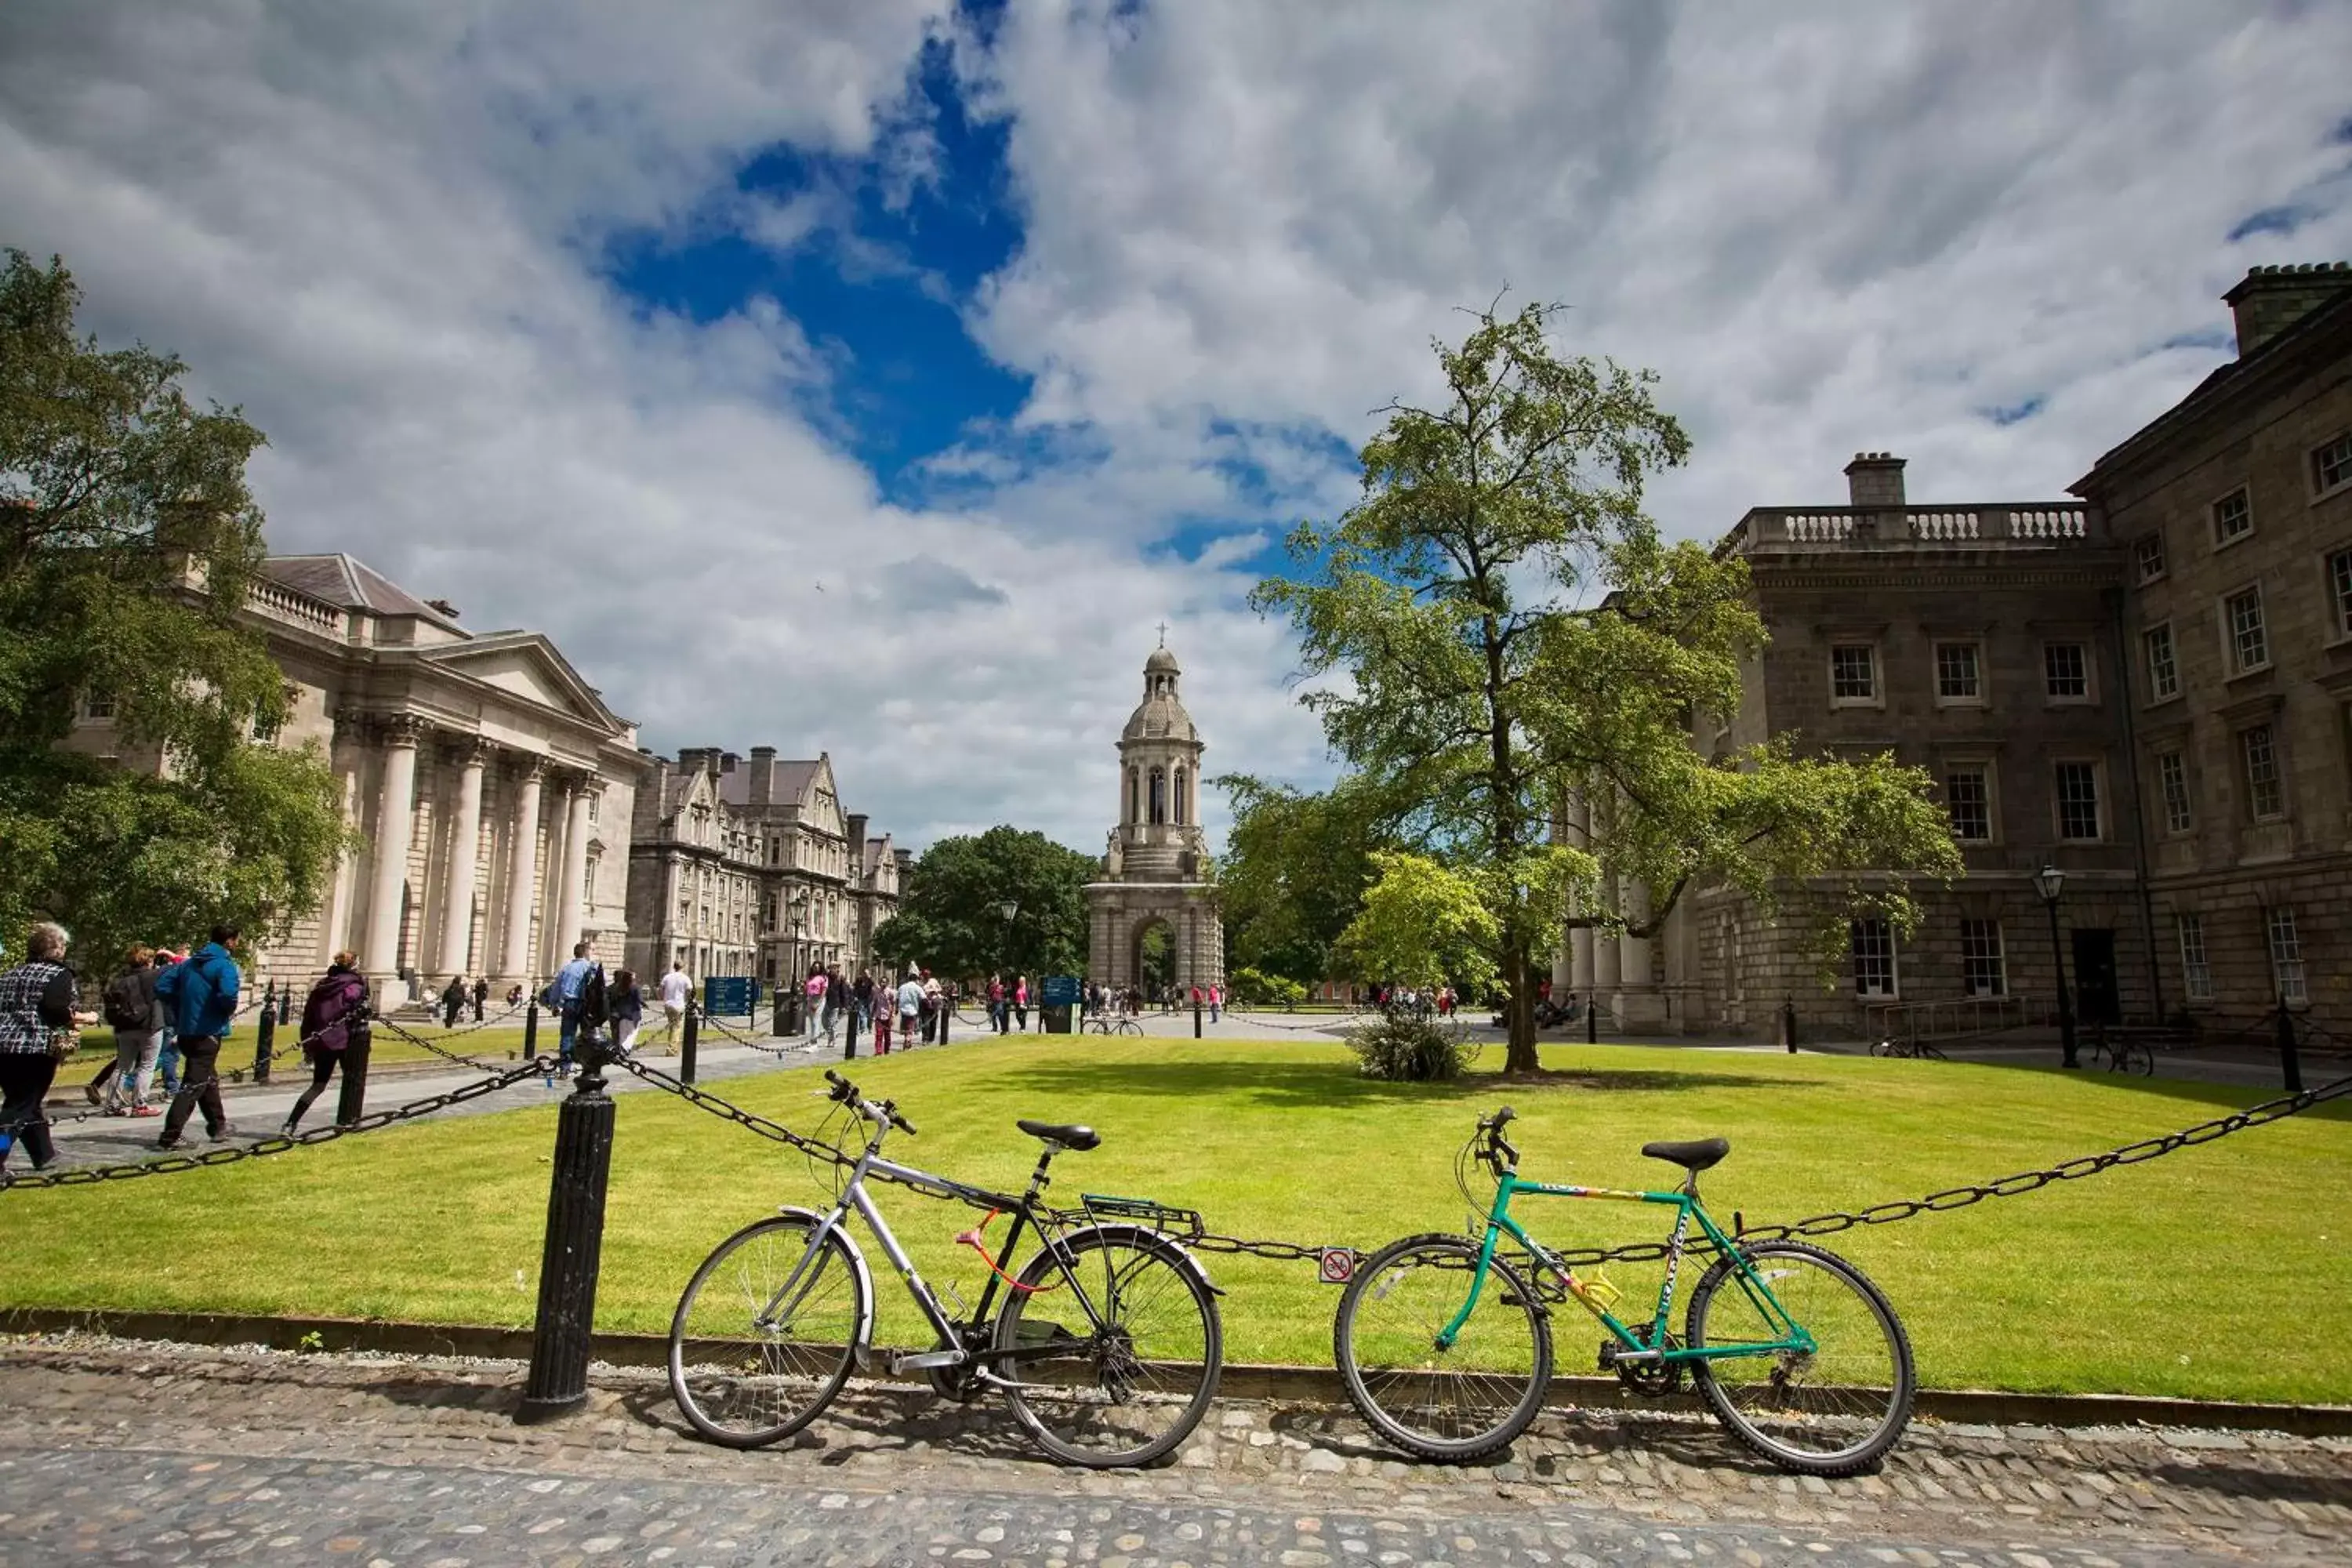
(1163, 633)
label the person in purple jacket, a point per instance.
(336, 1010)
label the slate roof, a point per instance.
(348, 584)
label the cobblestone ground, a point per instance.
(154, 1454)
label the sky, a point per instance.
(876, 376)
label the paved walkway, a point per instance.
(163, 1455)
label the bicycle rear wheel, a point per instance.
(749, 1362)
(1828, 1412)
(1119, 1356)
(1459, 1401)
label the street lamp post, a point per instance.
(2050, 882)
(1008, 909)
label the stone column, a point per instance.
(347, 746)
(1604, 951)
(571, 897)
(465, 856)
(522, 875)
(395, 822)
(1640, 1004)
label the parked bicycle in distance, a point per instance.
(1916, 1050)
(1107, 1343)
(1121, 1024)
(1445, 1345)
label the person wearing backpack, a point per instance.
(132, 1010)
(334, 1021)
(201, 994)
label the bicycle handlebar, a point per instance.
(844, 1092)
(1499, 1152)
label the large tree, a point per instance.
(1513, 633)
(951, 919)
(1295, 866)
(116, 493)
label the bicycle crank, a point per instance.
(1638, 1369)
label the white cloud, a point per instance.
(1831, 227)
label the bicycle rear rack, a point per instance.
(1144, 1210)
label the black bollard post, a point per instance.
(1592, 1019)
(558, 1381)
(350, 1100)
(265, 1037)
(947, 1011)
(2290, 1063)
(286, 1005)
(777, 1022)
(1788, 1024)
(1196, 1014)
(686, 1042)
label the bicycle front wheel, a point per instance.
(1114, 1359)
(1829, 1411)
(763, 1337)
(1456, 1400)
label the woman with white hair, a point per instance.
(38, 1016)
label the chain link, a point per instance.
(86, 1175)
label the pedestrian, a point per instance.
(562, 993)
(1216, 1000)
(932, 1001)
(861, 1006)
(514, 994)
(137, 1018)
(334, 1012)
(453, 1000)
(167, 1054)
(1021, 1002)
(626, 1005)
(996, 1003)
(885, 1005)
(812, 991)
(201, 994)
(911, 1007)
(481, 995)
(836, 1000)
(677, 990)
(38, 1018)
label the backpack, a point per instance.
(126, 1000)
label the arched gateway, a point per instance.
(1154, 867)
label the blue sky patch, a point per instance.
(2279, 220)
(2016, 413)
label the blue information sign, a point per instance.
(1061, 991)
(727, 995)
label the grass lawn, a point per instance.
(2163, 1279)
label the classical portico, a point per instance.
(1155, 865)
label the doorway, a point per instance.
(2095, 998)
(1155, 958)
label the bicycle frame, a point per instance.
(1687, 1208)
(853, 1197)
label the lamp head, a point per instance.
(2049, 882)
(1008, 909)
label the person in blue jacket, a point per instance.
(200, 996)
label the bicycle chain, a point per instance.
(85, 1175)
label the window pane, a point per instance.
(2250, 642)
(2078, 800)
(2339, 589)
(2232, 518)
(2163, 671)
(2264, 795)
(1957, 675)
(1970, 803)
(1853, 675)
(1873, 943)
(2148, 555)
(2172, 774)
(2286, 957)
(2068, 668)
(1983, 972)
(2332, 464)
(2195, 974)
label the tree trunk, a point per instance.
(1521, 1055)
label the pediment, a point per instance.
(525, 665)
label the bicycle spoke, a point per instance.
(1458, 1399)
(751, 1359)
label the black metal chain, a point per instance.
(458, 1056)
(738, 1037)
(84, 1176)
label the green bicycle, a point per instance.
(1445, 1345)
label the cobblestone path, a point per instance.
(154, 1454)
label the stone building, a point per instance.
(2150, 688)
(751, 867)
(489, 780)
(2233, 511)
(1155, 868)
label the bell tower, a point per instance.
(1155, 867)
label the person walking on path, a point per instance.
(333, 1014)
(812, 1004)
(453, 1000)
(563, 994)
(1216, 1000)
(1021, 1002)
(836, 1000)
(624, 1004)
(996, 1003)
(861, 1006)
(201, 994)
(677, 990)
(932, 1001)
(481, 995)
(886, 1006)
(137, 1018)
(37, 1014)
(911, 1007)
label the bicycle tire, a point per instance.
(1881, 1047)
(1851, 1425)
(1385, 1396)
(788, 1385)
(1109, 1366)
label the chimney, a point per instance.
(856, 821)
(2269, 300)
(906, 859)
(1874, 481)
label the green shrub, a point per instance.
(1252, 988)
(1409, 1050)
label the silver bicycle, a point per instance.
(1107, 1343)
